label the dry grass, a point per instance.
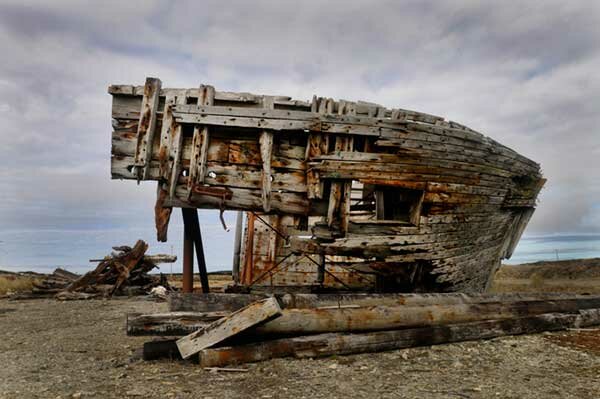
(15, 283)
(216, 281)
(573, 276)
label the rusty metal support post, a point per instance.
(192, 227)
(188, 262)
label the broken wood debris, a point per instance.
(53, 283)
(124, 271)
(313, 325)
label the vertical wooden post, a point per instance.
(248, 256)
(237, 245)
(192, 226)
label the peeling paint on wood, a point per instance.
(388, 199)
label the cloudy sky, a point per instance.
(523, 72)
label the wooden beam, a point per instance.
(166, 134)
(162, 214)
(354, 318)
(213, 302)
(266, 151)
(169, 324)
(237, 246)
(229, 326)
(345, 343)
(146, 127)
(374, 318)
(248, 272)
(199, 156)
(200, 142)
(176, 151)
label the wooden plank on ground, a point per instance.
(170, 324)
(373, 318)
(345, 343)
(247, 317)
(230, 302)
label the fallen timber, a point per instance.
(337, 194)
(322, 345)
(354, 317)
(218, 302)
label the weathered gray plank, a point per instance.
(170, 324)
(266, 149)
(226, 327)
(344, 344)
(146, 126)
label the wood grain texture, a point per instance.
(322, 345)
(477, 195)
(229, 326)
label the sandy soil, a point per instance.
(51, 349)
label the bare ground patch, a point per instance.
(51, 349)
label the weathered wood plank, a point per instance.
(162, 214)
(166, 135)
(420, 122)
(176, 151)
(146, 127)
(242, 199)
(170, 324)
(373, 318)
(213, 302)
(266, 150)
(226, 327)
(228, 302)
(344, 343)
(200, 144)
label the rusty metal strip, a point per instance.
(328, 272)
(271, 227)
(268, 271)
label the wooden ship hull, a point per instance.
(336, 195)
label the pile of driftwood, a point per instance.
(124, 271)
(227, 329)
(53, 283)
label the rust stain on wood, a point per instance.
(393, 199)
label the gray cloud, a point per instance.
(524, 73)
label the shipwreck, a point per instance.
(331, 195)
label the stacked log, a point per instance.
(314, 325)
(53, 283)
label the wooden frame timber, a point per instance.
(309, 175)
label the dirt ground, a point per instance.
(78, 349)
